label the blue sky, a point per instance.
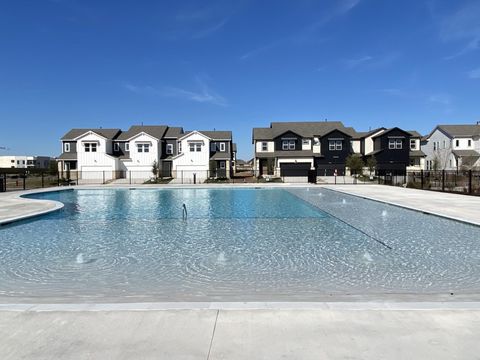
(233, 65)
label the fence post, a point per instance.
(58, 178)
(43, 183)
(130, 176)
(103, 177)
(24, 180)
(470, 181)
(421, 179)
(443, 180)
(182, 177)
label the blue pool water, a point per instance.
(236, 245)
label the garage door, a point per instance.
(294, 169)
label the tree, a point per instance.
(355, 164)
(155, 169)
(371, 163)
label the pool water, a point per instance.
(295, 244)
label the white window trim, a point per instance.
(222, 165)
(169, 149)
(179, 145)
(90, 146)
(264, 146)
(335, 145)
(222, 146)
(413, 144)
(143, 148)
(66, 147)
(305, 141)
(395, 144)
(127, 146)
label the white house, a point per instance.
(94, 155)
(453, 147)
(24, 162)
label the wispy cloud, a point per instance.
(462, 26)
(474, 74)
(353, 63)
(372, 61)
(342, 7)
(441, 98)
(202, 94)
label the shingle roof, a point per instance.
(287, 153)
(75, 133)
(414, 133)
(466, 153)
(364, 134)
(68, 156)
(388, 130)
(157, 131)
(220, 156)
(460, 130)
(174, 132)
(417, 153)
(305, 129)
(217, 135)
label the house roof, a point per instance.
(220, 156)
(287, 153)
(364, 134)
(304, 129)
(461, 130)
(68, 156)
(106, 133)
(217, 135)
(414, 133)
(234, 147)
(466, 153)
(157, 131)
(417, 153)
(174, 132)
(389, 130)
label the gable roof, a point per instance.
(174, 132)
(217, 135)
(415, 133)
(364, 134)
(389, 130)
(460, 130)
(157, 131)
(106, 133)
(304, 129)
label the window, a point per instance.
(395, 144)
(222, 146)
(413, 144)
(170, 149)
(222, 164)
(116, 147)
(306, 142)
(195, 147)
(23, 162)
(264, 146)
(444, 144)
(12, 161)
(316, 142)
(90, 147)
(18, 162)
(179, 145)
(127, 146)
(288, 145)
(469, 143)
(66, 147)
(145, 148)
(434, 146)
(335, 145)
(457, 142)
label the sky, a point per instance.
(233, 65)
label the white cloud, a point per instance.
(204, 94)
(462, 26)
(353, 63)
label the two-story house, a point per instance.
(453, 147)
(89, 151)
(297, 148)
(110, 154)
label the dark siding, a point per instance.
(333, 159)
(73, 146)
(122, 151)
(392, 159)
(278, 141)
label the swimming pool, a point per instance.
(237, 244)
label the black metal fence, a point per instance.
(462, 182)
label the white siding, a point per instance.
(356, 146)
(189, 163)
(442, 152)
(369, 142)
(270, 146)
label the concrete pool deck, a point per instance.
(230, 334)
(390, 330)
